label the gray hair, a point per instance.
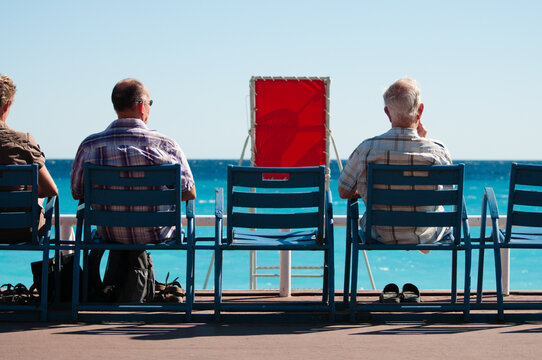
(7, 89)
(403, 99)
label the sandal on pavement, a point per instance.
(410, 294)
(390, 294)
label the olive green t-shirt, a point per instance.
(18, 148)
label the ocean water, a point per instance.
(431, 271)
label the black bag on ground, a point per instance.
(95, 287)
(66, 278)
(129, 276)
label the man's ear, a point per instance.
(141, 108)
(387, 113)
(420, 111)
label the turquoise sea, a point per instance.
(429, 271)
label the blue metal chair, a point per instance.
(261, 204)
(20, 209)
(395, 186)
(158, 185)
(523, 227)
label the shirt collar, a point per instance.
(403, 131)
(128, 123)
(3, 124)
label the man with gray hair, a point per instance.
(404, 144)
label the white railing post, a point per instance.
(285, 273)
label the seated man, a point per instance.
(20, 148)
(404, 144)
(128, 142)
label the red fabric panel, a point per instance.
(290, 123)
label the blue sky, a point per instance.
(477, 62)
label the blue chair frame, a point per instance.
(19, 200)
(523, 228)
(448, 183)
(297, 201)
(162, 184)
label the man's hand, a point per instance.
(421, 130)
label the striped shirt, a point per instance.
(128, 142)
(398, 146)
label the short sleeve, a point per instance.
(36, 156)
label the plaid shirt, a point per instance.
(128, 142)
(398, 146)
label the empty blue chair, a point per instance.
(523, 227)
(393, 186)
(158, 185)
(261, 204)
(19, 209)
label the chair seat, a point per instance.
(522, 239)
(300, 238)
(444, 244)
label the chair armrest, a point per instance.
(352, 219)
(190, 221)
(465, 223)
(80, 214)
(489, 201)
(328, 216)
(51, 208)
(219, 215)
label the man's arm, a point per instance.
(348, 194)
(46, 184)
(190, 194)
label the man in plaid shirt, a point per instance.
(404, 144)
(128, 142)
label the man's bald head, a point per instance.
(127, 93)
(403, 99)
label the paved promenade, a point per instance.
(404, 340)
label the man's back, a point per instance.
(128, 142)
(404, 144)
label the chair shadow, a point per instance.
(145, 332)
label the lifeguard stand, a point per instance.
(289, 128)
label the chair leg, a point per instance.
(218, 283)
(498, 282)
(354, 285)
(331, 283)
(347, 259)
(84, 284)
(44, 283)
(466, 294)
(189, 283)
(325, 287)
(75, 282)
(479, 288)
(454, 277)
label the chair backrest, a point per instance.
(395, 192)
(290, 121)
(19, 198)
(132, 196)
(275, 198)
(524, 200)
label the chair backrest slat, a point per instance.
(524, 204)
(275, 198)
(132, 218)
(14, 199)
(409, 218)
(16, 220)
(19, 198)
(415, 197)
(432, 195)
(274, 221)
(126, 198)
